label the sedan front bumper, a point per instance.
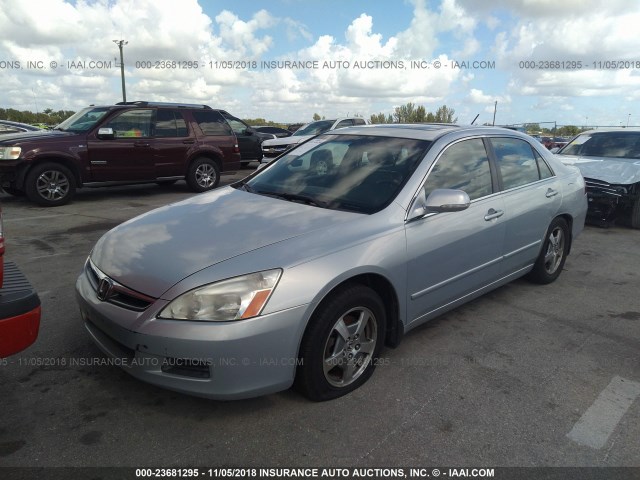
(218, 360)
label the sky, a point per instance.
(569, 62)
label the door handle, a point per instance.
(551, 193)
(141, 144)
(491, 214)
(188, 142)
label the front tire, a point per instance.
(553, 253)
(341, 344)
(50, 185)
(203, 175)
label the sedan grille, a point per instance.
(604, 188)
(109, 290)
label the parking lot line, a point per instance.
(600, 420)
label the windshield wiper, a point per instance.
(247, 188)
(294, 197)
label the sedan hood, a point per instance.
(11, 138)
(156, 250)
(615, 171)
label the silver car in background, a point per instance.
(300, 275)
(278, 146)
(609, 159)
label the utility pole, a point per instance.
(120, 44)
(495, 108)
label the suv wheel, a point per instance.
(50, 185)
(203, 175)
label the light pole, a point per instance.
(628, 117)
(120, 44)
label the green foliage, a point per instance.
(316, 117)
(47, 116)
(409, 113)
(262, 122)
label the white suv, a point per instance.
(277, 146)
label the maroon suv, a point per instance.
(126, 143)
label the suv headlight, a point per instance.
(10, 153)
(232, 299)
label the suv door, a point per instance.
(249, 142)
(128, 155)
(532, 196)
(453, 254)
(171, 143)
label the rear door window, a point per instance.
(170, 123)
(516, 162)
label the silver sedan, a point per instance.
(303, 271)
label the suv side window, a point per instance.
(170, 123)
(359, 121)
(237, 125)
(131, 123)
(516, 162)
(462, 166)
(211, 122)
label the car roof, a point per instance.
(425, 131)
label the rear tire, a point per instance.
(553, 253)
(50, 185)
(341, 344)
(203, 175)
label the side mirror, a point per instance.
(447, 200)
(439, 201)
(106, 133)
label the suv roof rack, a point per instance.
(142, 103)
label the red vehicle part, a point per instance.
(19, 307)
(19, 312)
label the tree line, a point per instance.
(409, 113)
(48, 116)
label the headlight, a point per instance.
(233, 299)
(10, 153)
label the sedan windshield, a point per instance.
(83, 120)
(356, 173)
(605, 144)
(314, 128)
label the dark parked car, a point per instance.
(7, 126)
(249, 139)
(19, 307)
(610, 163)
(274, 132)
(126, 143)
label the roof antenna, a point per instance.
(474, 120)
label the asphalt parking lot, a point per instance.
(526, 376)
